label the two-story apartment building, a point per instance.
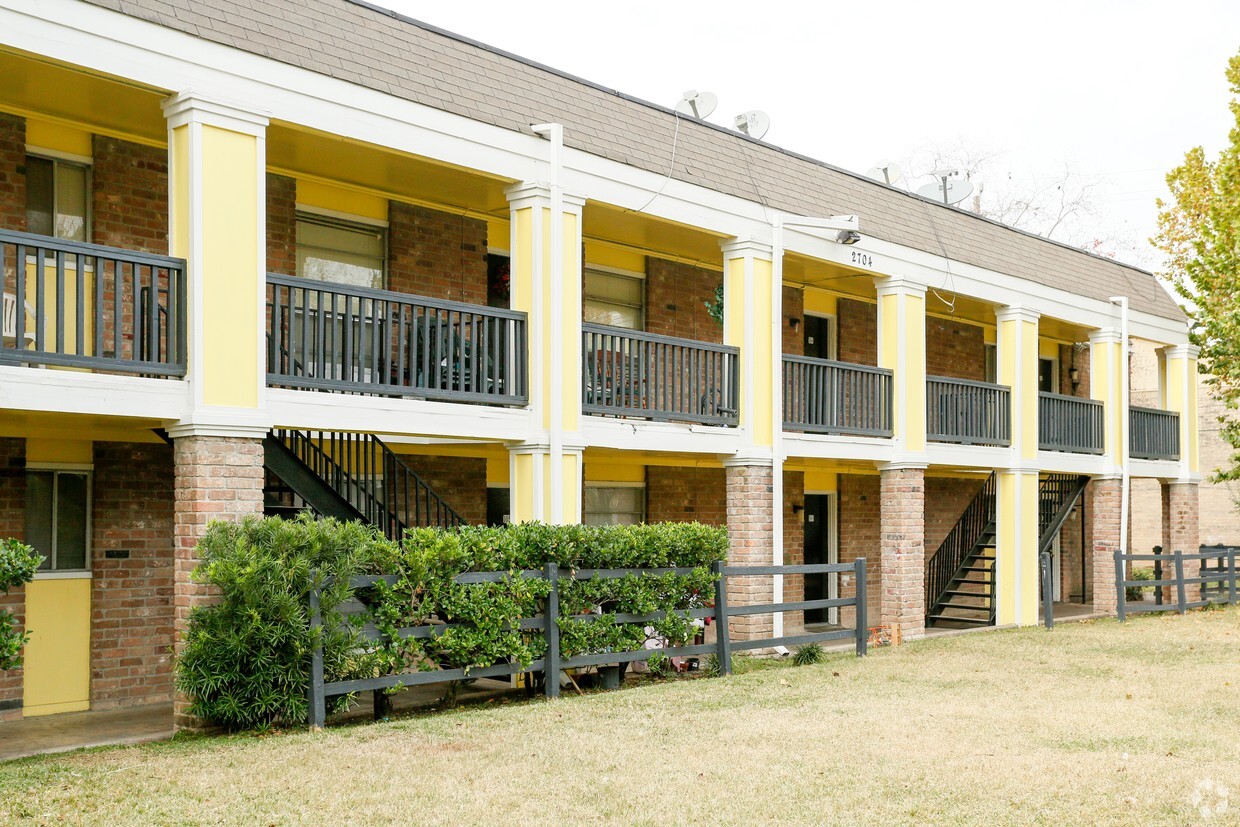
(265, 256)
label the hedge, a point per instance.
(246, 659)
(18, 564)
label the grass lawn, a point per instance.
(1093, 723)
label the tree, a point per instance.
(1199, 231)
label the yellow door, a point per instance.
(57, 659)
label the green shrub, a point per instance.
(1137, 592)
(808, 654)
(246, 659)
(18, 564)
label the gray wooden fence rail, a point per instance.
(553, 660)
(1213, 583)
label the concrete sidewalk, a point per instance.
(77, 730)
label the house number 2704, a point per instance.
(864, 259)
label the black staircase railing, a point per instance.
(367, 474)
(960, 543)
(1057, 494)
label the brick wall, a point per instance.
(794, 308)
(12, 172)
(1102, 525)
(859, 536)
(460, 481)
(686, 495)
(130, 195)
(1182, 532)
(955, 349)
(676, 296)
(794, 548)
(749, 543)
(902, 550)
(857, 322)
(946, 500)
(12, 526)
(131, 597)
(281, 224)
(437, 254)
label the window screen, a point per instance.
(57, 198)
(613, 299)
(58, 518)
(340, 252)
(614, 506)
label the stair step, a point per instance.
(954, 619)
(974, 568)
(967, 593)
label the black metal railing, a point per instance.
(1057, 494)
(968, 412)
(824, 396)
(72, 304)
(959, 544)
(629, 373)
(1070, 423)
(1153, 434)
(335, 337)
(365, 472)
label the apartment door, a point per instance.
(819, 337)
(820, 547)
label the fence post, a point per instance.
(1158, 590)
(1120, 595)
(551, 661)
(1048, 594)
(318, 703)
(1231, 567)
(862, 621)
(1180, 599)
(721, 619)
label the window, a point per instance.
(612, 505)
(992, 363)
(342, 252)
(58, 518)
(613, 299)
(57, 200)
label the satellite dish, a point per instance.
(697, 104)
(949, 189)
(753, 123)
(886, 172)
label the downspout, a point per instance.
(1125, 416)
(555, 133)
(777, 419)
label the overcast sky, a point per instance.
(1118, 90)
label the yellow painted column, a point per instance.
(217, 223)
(545, 247)
(902, 350)
(1016, 540)
(1107, 363)
(747, 317)
(1181, 387)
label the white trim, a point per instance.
(613, 484)
(62, 391)
(190, 106)
(837, 446)
(57, 155)
(60, 466)
(67, 574)
(631, 434)
(352, 218)
(614, 271)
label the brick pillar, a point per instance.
(1102, 518)
(216, 478)
(749, 544)
(902, 499)
(1182, 532)
(12, 526)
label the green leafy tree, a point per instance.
(1199, 231)
(18, 564)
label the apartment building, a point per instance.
(271, 256)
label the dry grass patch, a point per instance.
(1092, 723)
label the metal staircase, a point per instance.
(960, 577)
(348, 476)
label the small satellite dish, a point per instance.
(949, 189)
(753, 123)
(886, 172)
(697, 104)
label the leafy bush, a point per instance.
(1137, 592)
(246, 659)
(18, 564)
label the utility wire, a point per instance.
(670, 168)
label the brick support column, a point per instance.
(216, 478)
(902, 498)
(1181, 530)
(749, 544)
(1102, 521)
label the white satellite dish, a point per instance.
(886, 172)
(949, 189)
(753, 123)
(697, 104)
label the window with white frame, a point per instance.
(341, 251)
(614, 299)
(612, 504)
(57, 198)
(58, 518)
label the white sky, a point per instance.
(1117, 89)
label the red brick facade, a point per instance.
(130, 195)
(12, 172)
(131, 592)
(903, 553)
(676, 297)
(12, 526)
(794, 548)
(946, 500)
(955, 349)
(686, 495)
(749, 540)
(1181, 531)
(437, 254)
(460, 481)
(281, 224)
(857, 323)
(860, 516)
(1102, 519)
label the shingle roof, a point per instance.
(375, 48)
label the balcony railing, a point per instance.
(971, 413)
(69, 304)
(828, 397)
(335, 337)
(643, 375)
(1069, 423)
(1153, 434)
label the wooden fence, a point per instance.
(553, 661)
(1215, 582)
